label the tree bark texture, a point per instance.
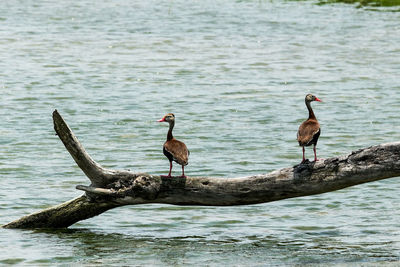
(113, 188)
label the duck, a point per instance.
(310, 130)
(173, 149)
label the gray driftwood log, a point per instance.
(112, 188)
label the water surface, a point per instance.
(235, 74)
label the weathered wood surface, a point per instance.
(63, 215)
(112, 188)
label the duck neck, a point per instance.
(311, 114)
(171, 126)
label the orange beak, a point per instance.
(317, 99)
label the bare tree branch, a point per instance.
(112, 188)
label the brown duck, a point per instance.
(309, 130)
(173, 149)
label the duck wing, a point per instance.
(178, 151)
(308, 132)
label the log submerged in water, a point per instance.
(112, 188)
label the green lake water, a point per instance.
(235, 74)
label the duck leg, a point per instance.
(170, 169)
(304, 158)
(315, 153)
(183, 172)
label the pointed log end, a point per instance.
(58, 122)
(56, 115)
